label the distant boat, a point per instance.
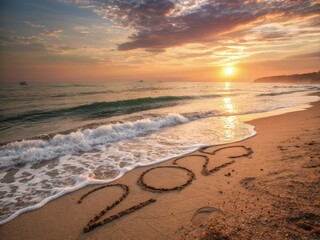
(140, 81)
(23, 83)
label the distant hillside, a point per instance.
(306, 78)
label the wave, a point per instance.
(99, 110)
(86, 139)
(74, 85)
(33, 151)
(141, 89)
(81, 93)
(279, 93)
(306, 87)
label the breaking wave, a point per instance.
(33, 151)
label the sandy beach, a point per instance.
(266, 187)
(159, 119)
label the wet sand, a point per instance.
(266, 187)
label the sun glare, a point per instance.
(228, 71)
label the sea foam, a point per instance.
(33, 151)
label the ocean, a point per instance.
(57, 138)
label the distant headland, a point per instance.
(305, 78)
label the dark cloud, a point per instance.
(149, 14)
(271, 35)
(200, 26)
(65, 48)
(158, 27)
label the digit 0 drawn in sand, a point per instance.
(147, 187)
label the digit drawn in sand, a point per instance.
(247, 154)
(205, 170)
(149, 188)
(93, 223)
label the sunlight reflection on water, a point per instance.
(230, 125)
(228, 105)
(227, 86)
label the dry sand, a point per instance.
(272, 193)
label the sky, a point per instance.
(157, 40)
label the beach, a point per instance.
(265, 187)
(171, 119)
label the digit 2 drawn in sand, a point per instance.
(94, 222)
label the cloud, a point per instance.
(195, 55)
(161, 24)
(306, 56)
(82, 29)
(40, 41)
(34, 25)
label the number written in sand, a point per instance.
(96, 221)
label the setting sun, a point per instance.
(228, 71)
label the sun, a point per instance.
(228, 71)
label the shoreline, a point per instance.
(128, 178)
(113, 120)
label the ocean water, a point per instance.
(56, 138)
